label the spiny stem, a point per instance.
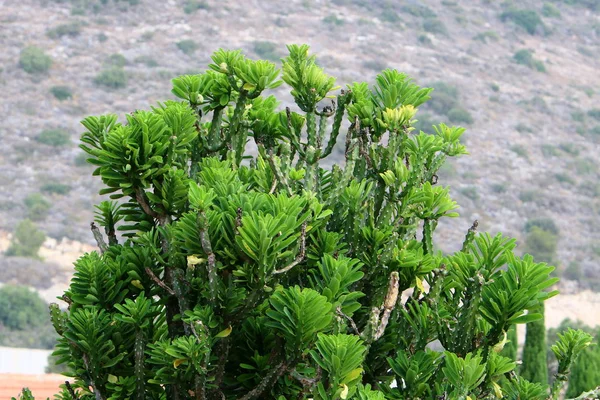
(140, 381)
(470, 236)
(207, 247)
(343, 100)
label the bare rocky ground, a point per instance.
(527, 158)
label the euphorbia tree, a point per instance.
(243, 276)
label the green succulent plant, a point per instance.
(223, 274)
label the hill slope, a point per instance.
(533, 136)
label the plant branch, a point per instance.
(207, 247)
(71, 391)
(389, 303)
(339, 311)
(267, 381)
(98, 237)
(300, 255)
(97, 392)
(158, 281)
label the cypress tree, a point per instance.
(535, 368)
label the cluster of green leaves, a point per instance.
(112, 77)
(24, 321)
(33, 60)
(54, 137)
(445, 102)
(71, 29)
(27, 240)
(526, 19)
(585, 373)
(37, 206)
(270, 276)
(61, 92)
(525, 57)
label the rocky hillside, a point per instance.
(523, 78)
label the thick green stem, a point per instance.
(140, 380)
(238, 136)
(311, 129)
(322, 127)
(470, 236)
(343, 100)
(211, 263)
(427, 236)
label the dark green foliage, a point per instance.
(585, 373)
(37, 207)
(594, 113)
(333, 20)
(148, 61)
(590, 4)
(425, 123)
(55, 188)
(486, 37)
(470, 192)
(116, 60)
(271, 276)
(550, 11)
(71, 29)
(21, 309)
(458, 115)
(535, 365)
(390, 16)
(187, 46)
(525, 57)
(541, 244)
(111, 78)
(266, 50)
(54, 137)
(418, 10)
(61, 92)
(546, 224)
(573, 271)
(564, 178)
(27, 240)
(425, 40)
(191, 6)
(33, 60)
(520, 150)
(435, 26)
(445, 94)
(526, 19)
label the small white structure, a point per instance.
(23, 361)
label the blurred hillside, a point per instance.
(523, 78)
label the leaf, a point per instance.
(344, 393)
(112, 378)
(178, 362)
(497, 390)
(353, 374)
(194, 260)
(225, 332)
(419, 283)
(137, 284)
